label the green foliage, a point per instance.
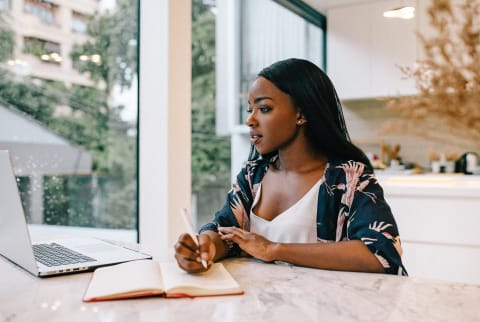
(93, 123)
(210, 153)
(35, 47)
(90, 126)
(7, 39)
(68, 201)
(40, 98)
(84, 116)
(114, 38)
(33, 98)
(118, 208)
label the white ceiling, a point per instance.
(324, 5)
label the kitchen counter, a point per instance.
(454, 185)
(438, 217)
(273, 292)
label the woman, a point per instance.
(307, 195)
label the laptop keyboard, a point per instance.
(54, 254)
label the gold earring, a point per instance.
(299, 122)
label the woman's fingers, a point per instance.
(187, 254)
(206, 248)
(231, 232)
(191, 266)
(187, 241)
(251, 243)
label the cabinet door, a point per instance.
(366, 49)
(348, 62)
(393, 44)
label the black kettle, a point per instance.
(467, 163)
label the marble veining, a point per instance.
(272, 293)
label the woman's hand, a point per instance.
(251, 243)
(189, 256)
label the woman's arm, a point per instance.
(221, 248)
(350, 255)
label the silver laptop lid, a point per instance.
(15, 243)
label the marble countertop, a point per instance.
(448, 185)
(273, 292)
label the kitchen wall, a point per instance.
(367, 121)
(365, 51)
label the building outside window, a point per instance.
(47, 51)
(4, 5)
(79, 22)
(71, 126)
(44, 10)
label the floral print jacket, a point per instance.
(350, 206)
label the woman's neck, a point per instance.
(301, 162)
(299, 157)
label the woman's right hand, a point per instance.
(189, 256)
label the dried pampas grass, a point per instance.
(447, 106)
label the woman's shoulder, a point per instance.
(342, 164)
(340, 168)
(254, 170)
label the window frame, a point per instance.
(164, 164)
(311, 15)
(165, 115)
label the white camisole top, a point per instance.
(297, 224)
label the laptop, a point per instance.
(54, 257)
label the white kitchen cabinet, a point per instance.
(365, 50)
(348, 52)
(438, 219)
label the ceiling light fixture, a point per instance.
(400, 12)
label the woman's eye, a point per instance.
(262, 109)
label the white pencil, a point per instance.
(187, 220)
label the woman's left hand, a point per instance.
(251, 243)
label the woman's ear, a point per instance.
(300, 119)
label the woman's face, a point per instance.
(273, 118)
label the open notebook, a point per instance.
(59, 256)
(151, 278)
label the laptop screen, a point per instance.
(15, 243)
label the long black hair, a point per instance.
(313, 93)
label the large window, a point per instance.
(79, 22)
(250, 34)
(71, 126)
(44, 10)
(47, 51)
(210, 153)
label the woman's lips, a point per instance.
(255, 138)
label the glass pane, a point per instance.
(248, 40)
(210, 153)
(4, 5)
(268, 38)
(68, 113)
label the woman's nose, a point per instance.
(250, 121)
